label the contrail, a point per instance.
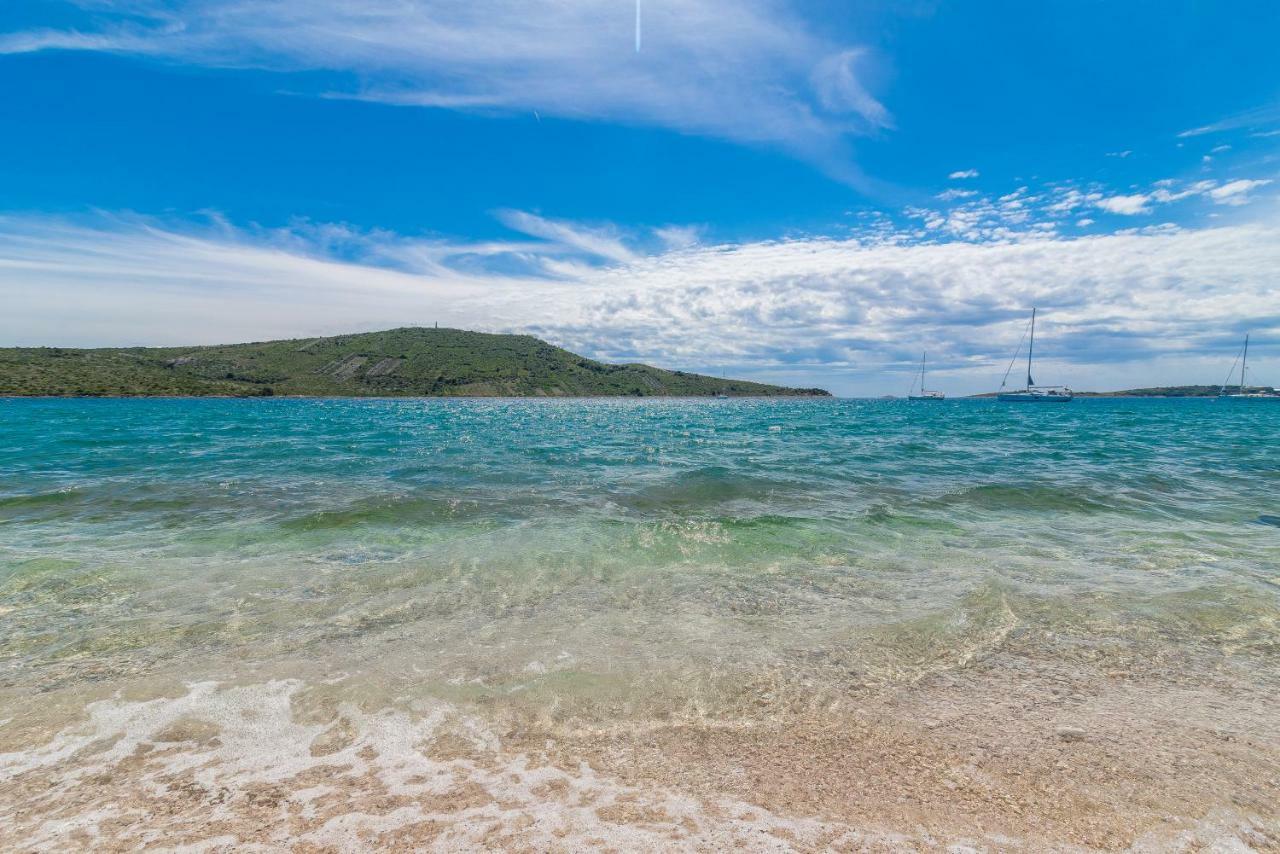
(637, 26)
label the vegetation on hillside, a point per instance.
(1171, 391)
(398, 362)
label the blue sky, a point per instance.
(783, 190)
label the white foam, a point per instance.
(259, 741)
(240, 737)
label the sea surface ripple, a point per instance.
(601, 566)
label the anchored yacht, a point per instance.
(1243, 391)
(923, 395)
(1032, 393)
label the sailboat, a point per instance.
(1032, 393)
(723, 392)
(924, 395)
(1243, 392)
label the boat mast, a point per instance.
(922, 355)
(1030, 347)
(1244, 361)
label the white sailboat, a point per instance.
(1243, 392)
(1032, 393)
(923, 395)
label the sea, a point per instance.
(747, 624)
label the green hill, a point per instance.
(398, 362)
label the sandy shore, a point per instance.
(997, 757)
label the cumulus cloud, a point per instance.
(1163, 192)
(1037, 213)
(964, 173)
(1128, 205)
(751, 71)
(1235, 192)
(815, 308)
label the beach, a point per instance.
(768, 625)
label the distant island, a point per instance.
(1169, 391)
(1158, 391)
(406, 362)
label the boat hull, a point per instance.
(1021, 397)
(926, 397)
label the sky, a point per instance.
(802, 192)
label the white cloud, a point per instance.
(819, 308)
(1167, 191)
(1034, 214)
(679, 236)
(964, 173)
(841, 90)
(1248, 119)
(1084, 222)
(1235, 192)
(31, 41)
(751, 71)
(593, 242)
(1127, 205)
(1164, 192)
(1068, 199)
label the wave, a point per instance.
(708, 487)
(1031, 498)
(18, 507)
(390, 511)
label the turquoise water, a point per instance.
(626, 557)
(656, 625)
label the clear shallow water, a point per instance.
(667, 556)
(484, 624)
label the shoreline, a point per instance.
(1056, 762)
(549, 397)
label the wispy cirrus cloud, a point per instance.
(116, 40)
(1259, 117)
(823, 310)
(750, 71)
(593, 242)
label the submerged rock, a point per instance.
(338, 737)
